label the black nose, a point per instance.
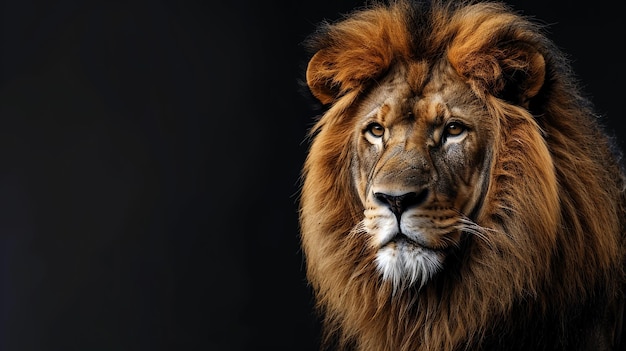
(400, 203)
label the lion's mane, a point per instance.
(552, 275)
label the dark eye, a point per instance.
(453, 129)
(376, 130)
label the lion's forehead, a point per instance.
(403, 91)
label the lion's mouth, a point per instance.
(401, 239)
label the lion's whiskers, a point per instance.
(466, 225)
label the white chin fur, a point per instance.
(405, 265)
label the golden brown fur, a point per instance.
(533, 183)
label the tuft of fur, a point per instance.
(551, 274)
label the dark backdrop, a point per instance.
(149, 162)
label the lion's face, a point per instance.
(420, 169)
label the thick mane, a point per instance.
(555, 207)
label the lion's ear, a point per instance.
(351, 53)
(331, 72)
(504, 62)
(320, 78)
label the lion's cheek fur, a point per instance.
(523, 200)
(328, 212)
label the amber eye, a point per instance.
(376, 130)
(453, 129)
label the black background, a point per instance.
(149, 161)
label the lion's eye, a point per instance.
(454, 129)
(376, 130)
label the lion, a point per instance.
(459, 191)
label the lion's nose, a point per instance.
(399, 203)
